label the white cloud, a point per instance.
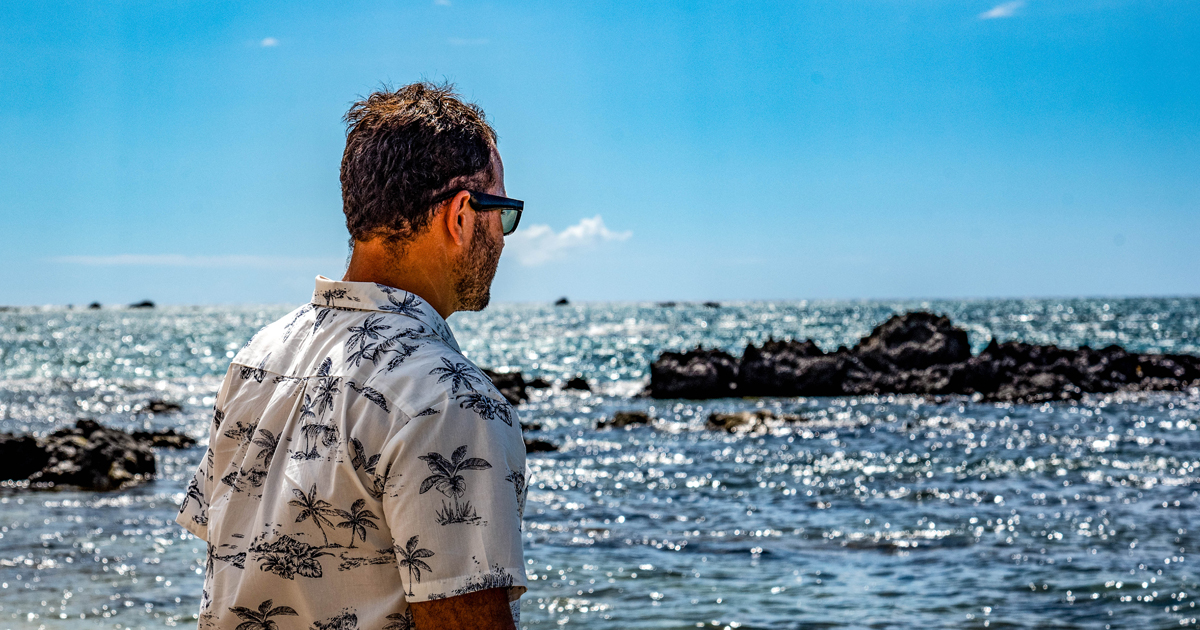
(180, 260)
(1008, 9)
(538, 244)
(269, 42)
(458, 41)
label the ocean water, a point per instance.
(874, 512)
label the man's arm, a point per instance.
(481, 610)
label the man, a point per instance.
(361, 472)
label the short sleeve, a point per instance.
(455, 513)
(193, 513)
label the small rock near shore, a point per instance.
(748, 421)
(539, 446)
(168, 438)
(511, 385)
(578, 383)
(94, 457)
(161, 406)
(624, 419)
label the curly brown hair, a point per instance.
(405, 147)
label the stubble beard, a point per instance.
(475, 274)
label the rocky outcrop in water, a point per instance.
(579, 383)
(696, 373)
(87, 455)
(511, 385)
(919, 353)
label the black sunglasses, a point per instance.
(510, 209)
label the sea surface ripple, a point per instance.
(876, 512)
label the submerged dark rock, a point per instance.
(94, 457)
(623, 419)
(511, 385)
(161, 406)
(539, 446)
(538, 383)
(87, 455)
(748, 421)
(696, 373)
(920, 353)
(578, 383)
(168, 438)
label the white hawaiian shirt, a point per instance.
(357, 462)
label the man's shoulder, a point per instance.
(405, 360)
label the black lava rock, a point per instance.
(578, 383)
(20, 457)
(162, 406)
(778, 368)
(913, 341)
(142, 304)
(538, 383)
(511, 385)
(623, 419)
(539, 446)
(921, 353)
(562, 301)
(696, 374)
(94, 457)
(168, 438)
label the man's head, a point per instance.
(411, 155)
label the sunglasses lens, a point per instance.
(508, 220)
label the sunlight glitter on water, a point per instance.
(874, 511)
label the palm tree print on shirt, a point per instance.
(408, 306)
(318, 510)
(361, 344)
(459, 374)
(313, 409)
(411, 558)
(370, 394)
(446, 478)
(193, 492)
(400, 621)
(261, 619)
(256, 373)
(359, 459)
(517, 479)
(269, 442)
(357, 520)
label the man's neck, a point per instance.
(419, 270)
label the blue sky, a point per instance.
(188, 152)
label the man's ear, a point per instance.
(457, 217)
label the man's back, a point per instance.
(357, 462)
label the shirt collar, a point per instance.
(372, 296)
